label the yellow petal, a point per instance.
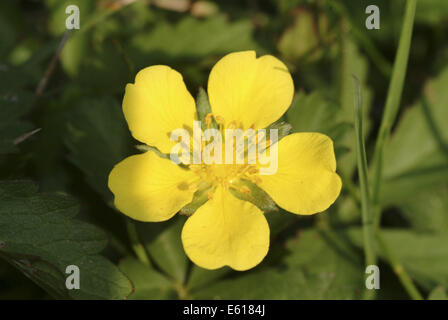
(226, 231)
(157, 104)
(250, 90)
(306, 181)
(149, 188)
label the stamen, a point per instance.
(219, 120)
(225, 175)
(242, 189)
(208, 120)
(193, 187)
(232, 125)
(253, 170)
(195, 167)
(245, 190)
(254, 179)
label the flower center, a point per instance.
(224, 174)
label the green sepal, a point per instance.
(203, 109)
(144, 148)
(257, 196)
(200, 197)
(283, 128)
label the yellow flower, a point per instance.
(244, 91)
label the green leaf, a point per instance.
(312, 30)
(320, 265)
(438, 293)
(56, 23)
(330, 262)
(40, 237)
(432, 11)
(162, 241)
(192, 37)
(427, 211)
(97, 138)
(148, 283)
(200, 277)
(416, 156)
(423, 255)
(73, 53)
(393, 102)
(315, 113)
(263, 284)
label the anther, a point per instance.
(219, 119)
(232, 125)
(252, 170)
(208, 119)
(193, 187)
(242, 189)
(245, 190)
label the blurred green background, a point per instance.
(67, 136)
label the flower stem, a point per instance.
(392, 104)
(138, 248)
(367, 218)
(389, 116)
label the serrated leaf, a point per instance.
(148, 283)
(423, 255)
(200, 277)
(438, 293)
(427, 211)
(192, 37)
(314, 113)
(162, 241)
(40, 237)
(417, 154)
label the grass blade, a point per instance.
(367, 218)
(392, 102)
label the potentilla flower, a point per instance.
(244, 92)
